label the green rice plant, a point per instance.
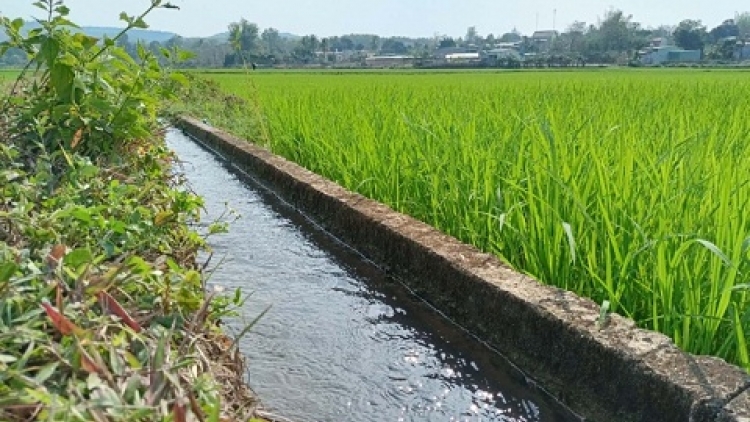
(629, 187)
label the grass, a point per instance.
(624, 186)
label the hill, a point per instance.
(134, 35)
(144, 35)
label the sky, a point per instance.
(384, 17)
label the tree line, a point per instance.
(616, 38)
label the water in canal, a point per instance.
(342, 341)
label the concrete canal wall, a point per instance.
(606, 372)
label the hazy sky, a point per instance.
(384, 17)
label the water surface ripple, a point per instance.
(342, 341)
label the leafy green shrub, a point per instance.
(86, 95)
(103, 314)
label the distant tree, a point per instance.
(577, 27)
(176, 41)
(447, 42)
(123, 41)
(490, 40)
(722, 50)
(154, 47)
(527, 45)
(129, 47)
(311, 43)
(394, 46)
(616, 38)
(742, 20)
(420, 50)
(341, 43)
(306, 48)
(375, 44)
(617, 32)
(576, 37)
(243, 36)
(690, 35)
(272, 42)
(346, 43)
(663, 31)
(207, 53)
(472, 36)
(512, 36)
(324, 46)
(727, 29)
(365, 40)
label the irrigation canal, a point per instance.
(342, 341)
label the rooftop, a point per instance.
(546, 34)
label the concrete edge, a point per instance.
(736, 410)
(617, 372)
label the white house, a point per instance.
(463, 57)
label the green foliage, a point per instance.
(84, 94)
(623, 186)
(690, 35)
(224, 109)
(103, 315)
(243, 36)
(742, 20)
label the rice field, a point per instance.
(623, 186)
(8, 74)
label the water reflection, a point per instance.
(343, 342)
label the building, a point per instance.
(496, 55)
(441, 54)
(335, 56)
(508, 45)
(389, 61)
(658, 42)
(546, 35)
(463, 58)
(739, 48)
(741, 51)
(669, 54)
(542, 40)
